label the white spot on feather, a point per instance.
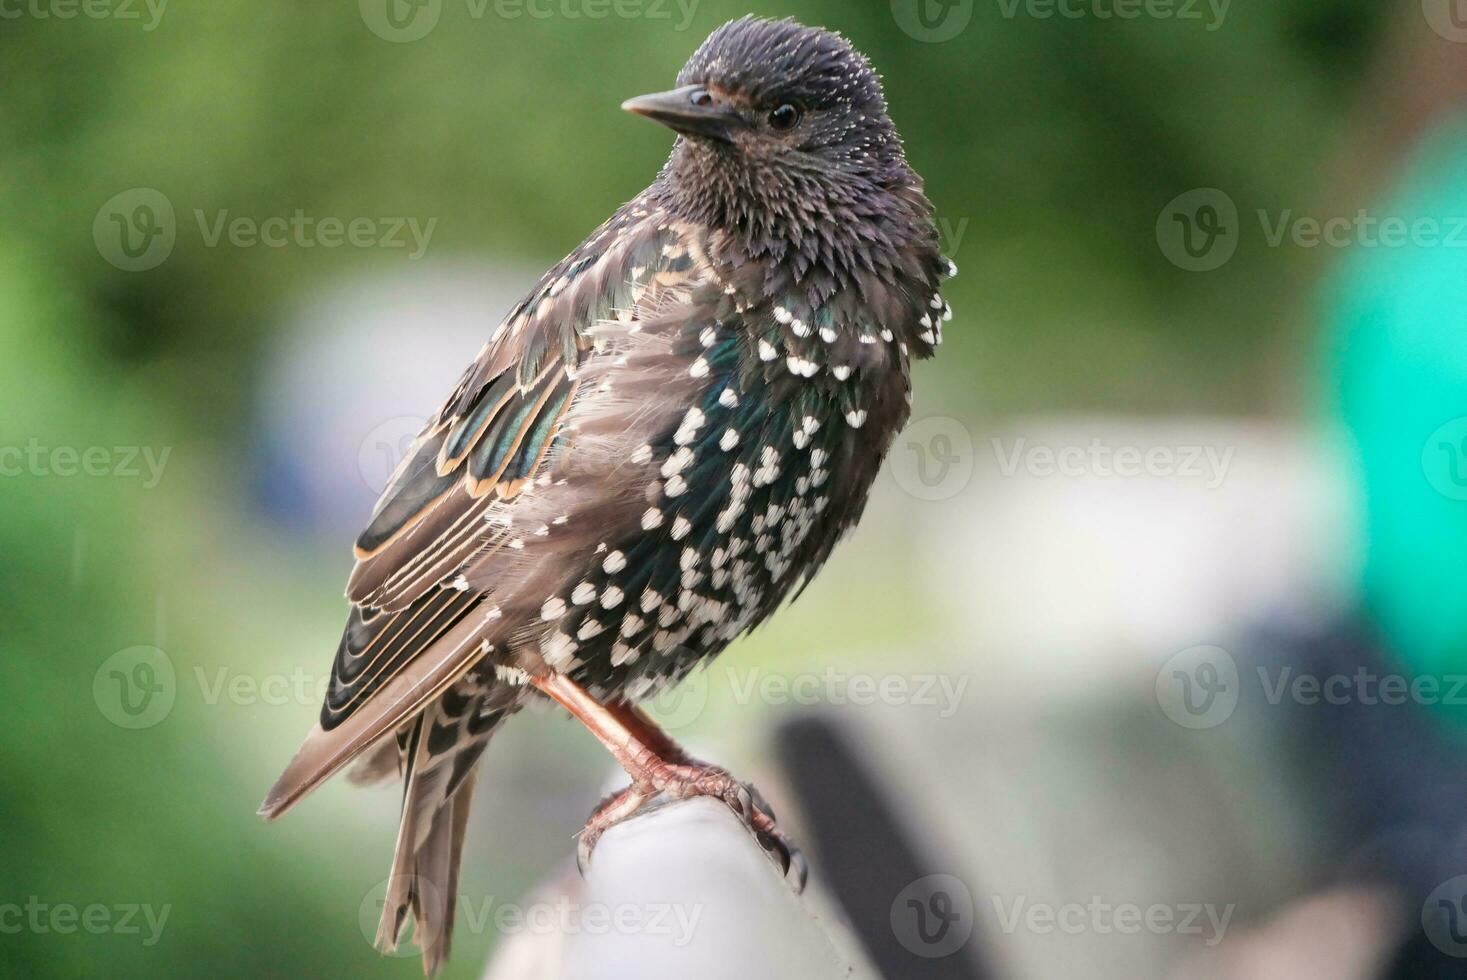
(688, 430)
(677, 462)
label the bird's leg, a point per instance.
(658, 765)
(637, 722)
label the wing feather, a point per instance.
(417, 623)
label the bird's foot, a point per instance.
(683, 780)
(608, 813)
(686, 779)
(659, 767)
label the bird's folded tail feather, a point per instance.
(415, 685)
(437, 789)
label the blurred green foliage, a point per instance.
(1049, 147)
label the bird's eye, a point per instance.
(701, 97)
(785, 117)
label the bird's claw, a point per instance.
(682, 781)
(749, 805)
(786, 856)
(585, 844)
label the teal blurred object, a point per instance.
(1397, 318)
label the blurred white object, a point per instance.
(359, 367)
(677, 892)
(1083, 551)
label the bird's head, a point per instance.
(777, 91)
(782, 125)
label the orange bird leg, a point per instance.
(658, 765)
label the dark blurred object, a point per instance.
(1389, 780)
(864, 851)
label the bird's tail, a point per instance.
(438, 754)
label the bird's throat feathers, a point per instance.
(813, 227)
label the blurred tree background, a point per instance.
(1049, 146)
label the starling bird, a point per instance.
(661, 442)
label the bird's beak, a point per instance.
(680, 109)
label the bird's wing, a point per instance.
(477, 492)
(487, 442)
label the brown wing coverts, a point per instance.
(485, 446)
